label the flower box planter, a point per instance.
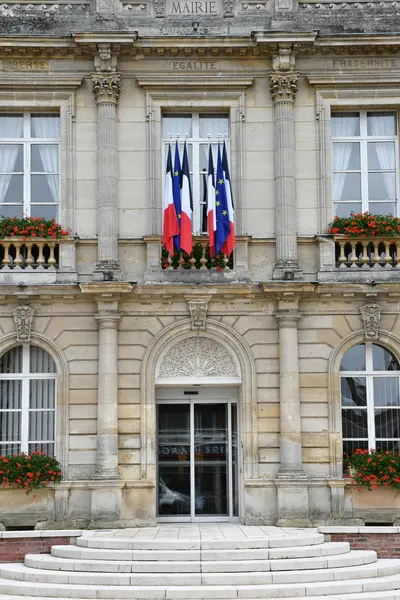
(380, 498)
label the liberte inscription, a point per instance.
(24, 65)
(194, 65)
(193, 7)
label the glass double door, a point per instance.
(197, 461)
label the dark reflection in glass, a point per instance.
(173, 490)
(350, 446)
(235, 492)
(383, 359)
(354, 391)
(354, 359)
(387, 423)
(211, 458)
(354, 423)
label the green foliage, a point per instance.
(373, 468)
(182, 259)
(29, 471)
(31, 227)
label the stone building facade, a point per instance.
(201, 394)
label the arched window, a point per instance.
(27, 401)
(370, 398)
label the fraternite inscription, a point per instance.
(193, 7)
(364, 63)
(24, 65)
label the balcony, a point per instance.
(37, 262)
(196, 268)
(359, 259)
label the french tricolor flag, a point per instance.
(170, 227)
(186, 205)
(230, 240)
(211, 216)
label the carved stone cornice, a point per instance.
(106, 87)
(283, 86)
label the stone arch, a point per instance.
(234, 349)
(385, 338)
(62, 400)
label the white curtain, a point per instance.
(41, 402)
(48, 127)
(10, 127)
(384, 127)
(179, 126)
(344, 127)
(213, 126)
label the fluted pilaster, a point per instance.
(283, 88)
(106, 89)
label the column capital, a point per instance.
(106, 87)
(283, 86)
(108, 320)
(288, 319)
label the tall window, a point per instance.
(29, 165)
(199, 130)
(27, 401)
(365, 162)
(370, 398)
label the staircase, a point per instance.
(207, 561)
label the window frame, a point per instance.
(363, 139)
(27, 141)
(195, 141)
(25, 377)
(369, 375)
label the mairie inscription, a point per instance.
(192, 8)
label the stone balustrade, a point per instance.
(198, 259)
(365, 252)
(23, 259)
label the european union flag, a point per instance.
(221, 207)
(176, 194)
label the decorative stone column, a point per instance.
(107, 395)
(106, 89)
(291, 481)
(283, 88)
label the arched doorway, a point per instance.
(202, 417)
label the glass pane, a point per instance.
(11, 125)
(48, 448)
(11, 361)
(11, 189)
(354, 359)
(173, 490)
(41, 425)
(354, 391)
(44, 158)
(344, 209)
(45, 126)
(386, 391)
(47, 211)
(387, 423)
(381, 156)
(42, 393)
(381, 123)
(214, 126)
(203, 156)
(383, 359)
(10, 426)
(346, 186)
(345, 124)
(390, 445)
(177, 125)
(346, 156)
(6, 449)
(11, 158)
(44, 188)
(350, 446)
(211, 459)
(11, 210)
(381, 186)
(354, 423)
(382, 208)
(173, 433)
(10, 394)
(235, 465)
(40, 361)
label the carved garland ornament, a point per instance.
(198, 357)
(198, 313)
(371, 315)
(106, 86)
(283, 86)
(23, 318)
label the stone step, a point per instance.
(112, 542)
(21, 572)
(47, 561)
(82, 553)
(361, 589)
